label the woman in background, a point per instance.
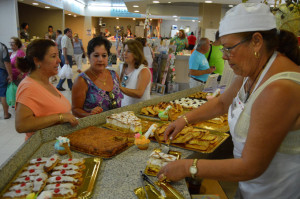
(78, 52)
(16, 45)
(96, 89)
(135, 76)
(38, 103)
(180, 41)
(24, 32)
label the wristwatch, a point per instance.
(193, 168)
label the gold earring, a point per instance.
(256, 54)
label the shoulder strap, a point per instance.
(208, 58)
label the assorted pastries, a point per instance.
(50, 175)
(159, 159)
(173, 113)
(126, 122)
(189, 103)
(199, 95)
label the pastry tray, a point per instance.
(99, 154)
(90, 173)
(224, 127)
(212, 147)
(171, 192)
(150, 172)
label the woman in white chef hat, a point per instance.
(263, 105)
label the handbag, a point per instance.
(11, 94)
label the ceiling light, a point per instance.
(193, 20)
(136, 11)
(230, 6)
(155, 1)
(75, 15)
(176, 19)
(133, 18)
(69, 14)
(272, 6)
(47, 7)
(35, 4)
(150, 19)
(169, 2)
(174, 16)
(117, 18)
(136, 6)
(208, 1)
(198, 21)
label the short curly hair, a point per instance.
(98, 41)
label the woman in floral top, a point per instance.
(180, 41)
(96, 89)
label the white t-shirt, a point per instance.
(132, 84)
(66, 43)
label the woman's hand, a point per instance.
(174, 128)
(175, 171)
(68, 117)
(96, 110)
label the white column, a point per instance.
(9, 20)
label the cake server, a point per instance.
(147, 179)
(143, 184)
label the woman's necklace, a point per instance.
(103, 81)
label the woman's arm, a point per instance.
(26, 121)
(142, 83)
(213, 108)
(274, 113)
(79, 91)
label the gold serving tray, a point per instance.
(171, 192)
(151, 172)
(221, 138)
(223, 128)
(89, 175)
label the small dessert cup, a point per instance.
(143, 146)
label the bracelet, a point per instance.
(61, 117)
(186, 120)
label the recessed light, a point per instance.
(133, 18)
(208, 1)
(198, 21)
(230, 6)
(47, 7)
(150, 19)
(136, 11)
(193, 20)
(136, 6)
(69, 14)
(117, 18)
(176, 19)
(155, 1)
(174, 16)
(75, 15)
(272, 6)
(35, 4)
(169, 2)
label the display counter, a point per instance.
(119, 175)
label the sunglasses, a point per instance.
(125, 78)
(113, 102)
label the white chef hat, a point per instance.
(247, 17)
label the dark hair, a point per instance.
(59, 31)
(142, 40)
(66, 30)
(183, 34)
(17, 41)
(217, 36)
(98, 41)
(285, 42)
(192, 33)
(36, 49)
(50, 27)
(23, 25)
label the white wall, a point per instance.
(165, 28)
(9, 20)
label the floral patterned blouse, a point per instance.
(180, 43)
(98, 97)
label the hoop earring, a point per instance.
(38, 66)
(256, 54)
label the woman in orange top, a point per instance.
(38, 103)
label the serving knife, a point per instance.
(147, 179)
(143, 184)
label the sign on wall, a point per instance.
(123, 12)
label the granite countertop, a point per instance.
(118, 176)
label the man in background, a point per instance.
(191, 41)
(198, 64)
(66, 58)
(214, 56)
(5, 78)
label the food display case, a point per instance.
(117, 176)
